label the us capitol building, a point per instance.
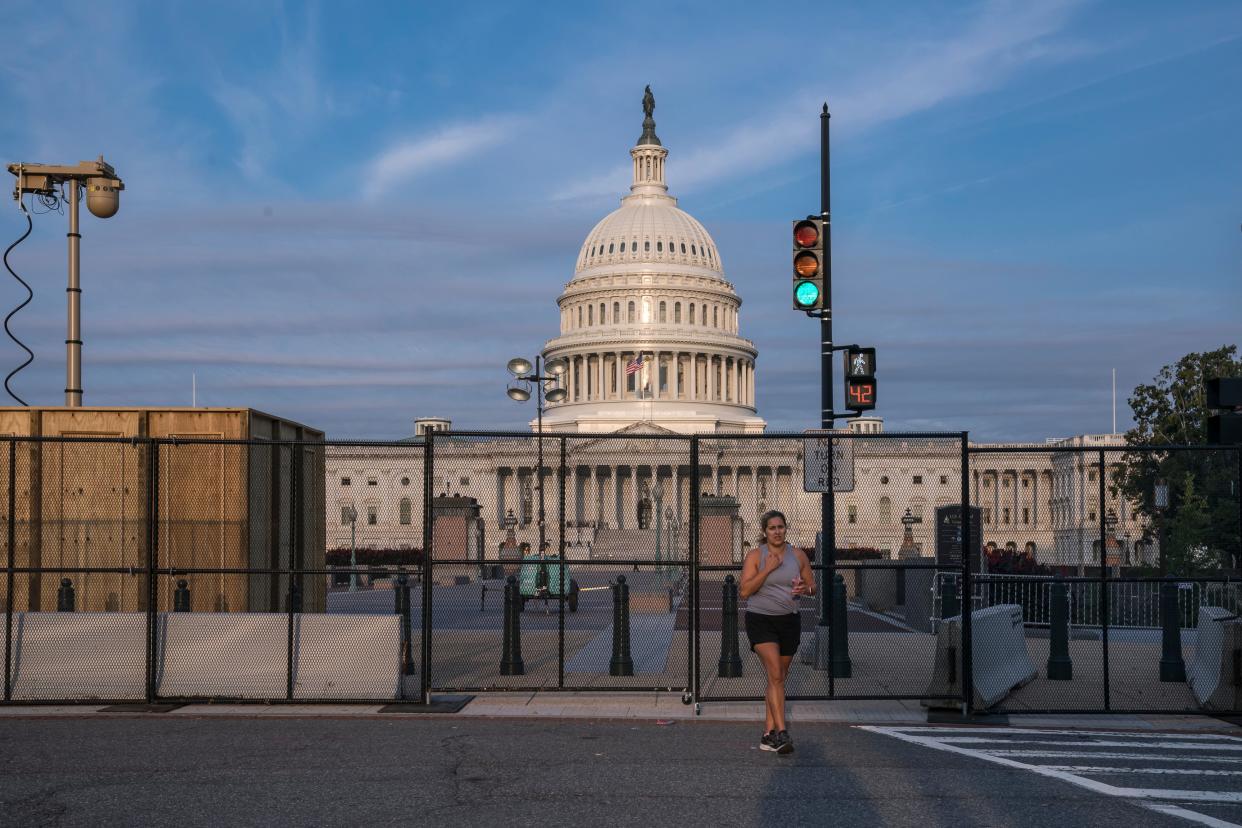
(650, 332)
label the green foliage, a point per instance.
(1199, 530)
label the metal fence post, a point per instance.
(428, 517)
(692, 536)
(560, 620)
(1104, 583)
(153, 551)
(968, 555)
(8, 587)
(291, 599)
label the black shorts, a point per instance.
(785, 630)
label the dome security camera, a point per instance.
(103, 196)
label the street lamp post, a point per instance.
(659, 519)
(352, 515)
(519, 391)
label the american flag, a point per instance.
(634, 365)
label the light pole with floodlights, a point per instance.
(519, 391)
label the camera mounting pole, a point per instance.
(102, 199)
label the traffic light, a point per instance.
(808, 264)
(860, 385)
(1224, 428)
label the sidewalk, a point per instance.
(647, 707)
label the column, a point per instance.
(694, 376)
(599, 369)
(1035, 499)
(655, 381)
(500, 496)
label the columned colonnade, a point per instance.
(698, 376)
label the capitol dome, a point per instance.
(649, 324)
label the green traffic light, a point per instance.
(806, 294)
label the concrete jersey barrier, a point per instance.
(80, 655)
(999, 658)
(347, 657)
(1210, 675)
(239, 655)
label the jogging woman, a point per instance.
(774, 575)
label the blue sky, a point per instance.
(352, 215)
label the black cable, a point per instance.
(29, 296)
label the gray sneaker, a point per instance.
(783, 743)
(769, 742)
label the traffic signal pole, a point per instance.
(823, 640)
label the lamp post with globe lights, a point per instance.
(519, 391)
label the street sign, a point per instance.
(815, 464)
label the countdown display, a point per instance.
(860, 393)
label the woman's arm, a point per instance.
(807, 587)
(752, 576)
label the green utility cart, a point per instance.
(541, 577)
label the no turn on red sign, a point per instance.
(816, 451)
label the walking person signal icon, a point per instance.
(860, 384)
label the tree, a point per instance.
(1199, 529)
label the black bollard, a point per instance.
(181, 596)
(295, 596)
(403, 610)
(841, 665)
(622, 664)
(511, 646)
(482, 595)
(949, 605)
(1060, 668)
(64, 596)
(730, 658)
(1172, 667)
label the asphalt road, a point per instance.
(452, 771)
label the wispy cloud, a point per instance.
(1002, 40)
(411, 158)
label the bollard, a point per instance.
(511, 646)
(841, 665)
(181, 596)
(949, 605)
(1060, 668)
(64, 596)
(1172, 667)
(403, 610)
(295, 596)
(622, 664)
(730, 658)
(482, 595)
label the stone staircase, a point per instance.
(628, 544)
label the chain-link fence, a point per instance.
(161, 569)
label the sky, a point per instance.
(352, 215)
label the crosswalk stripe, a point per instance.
(1094, 769)
(1078, 754)
(1094, 743)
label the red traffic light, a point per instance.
(806, 234)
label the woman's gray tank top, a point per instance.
(776, 597)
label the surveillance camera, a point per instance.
(103, 196)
